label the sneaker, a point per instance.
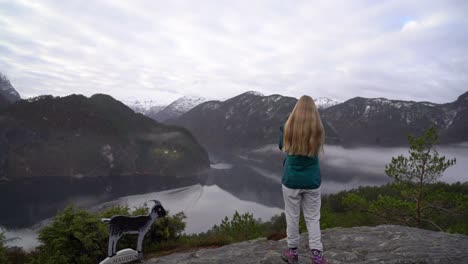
(290, 256)
(317, 257)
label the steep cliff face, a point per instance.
(76, 136)
(458, 129)
(8, 94)
(364, 245)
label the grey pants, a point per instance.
(310, 201)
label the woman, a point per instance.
(302, 139)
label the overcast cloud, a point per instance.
(411, 50)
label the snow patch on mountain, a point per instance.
(144, 106)
(38, 98)
(449, 117)
(255, 93)
(212, 105)
(185, 103)
(272, 98)
(400, 104)
(366, 112)
(178, 108)
(229, 113)
(324, 102)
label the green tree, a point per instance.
(413, 204)
(423, 166)
(3, 255)
(240, 227)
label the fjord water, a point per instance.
(246, 182)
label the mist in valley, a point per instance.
(247, 181)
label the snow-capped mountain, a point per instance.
(177, 108)
(380, 121)
(8, 94)
(154, 110)
(251, 120)
(320, 102)
(245, 121)
(145, 107)
(324, 102)
(254, 93)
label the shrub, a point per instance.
(165, 229)
(75, 236)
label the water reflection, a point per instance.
(204, 206)
(246, 181)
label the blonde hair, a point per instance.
(303, 131)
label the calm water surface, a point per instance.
(246, 182)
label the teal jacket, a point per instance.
(300, 172)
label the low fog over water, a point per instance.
(373, 160)
(247, 182)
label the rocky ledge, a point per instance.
(381, 244)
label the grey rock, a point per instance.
(382, 244)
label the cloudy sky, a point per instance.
(160, 50)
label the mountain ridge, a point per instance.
(95, 136)
(387, 122)
(246, 120)
(177, 108)
(250, 119)
(146, 107)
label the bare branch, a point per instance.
(387, 218)
(434, 224)
(441, 209)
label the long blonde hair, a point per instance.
(303, 131)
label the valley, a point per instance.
(93, 152)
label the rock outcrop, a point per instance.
(381, 244)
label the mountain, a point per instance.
(379, 121)
(246, 121)
(177, 108)
(458, 125)
(146, 107)
(3, 102)
(324, 102)
(251, 120)
(76, 136)
(154, 110)
(8, 94)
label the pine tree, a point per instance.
(411, 204)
